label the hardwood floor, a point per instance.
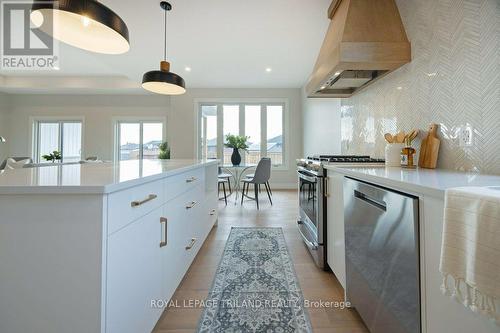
(316, 284)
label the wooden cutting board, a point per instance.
(429, 149)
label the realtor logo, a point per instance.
(25, 46)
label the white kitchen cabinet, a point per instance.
(172, 254)
(88, 258)
(134, 275)
(335, 226)
(441, 313)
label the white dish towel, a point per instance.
(470, 253)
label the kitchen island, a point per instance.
(99, 247)
(439, 313)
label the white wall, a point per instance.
(4, 125)
(321, 119)
(98, 112)
(182, 119)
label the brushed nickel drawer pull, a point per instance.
(212, 212)
(190, 180)
(163, 242)
(138, 203)
(191, 244)
(191, 205)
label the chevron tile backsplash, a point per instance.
(453, 80)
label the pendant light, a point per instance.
(86, 24)
(164, 81)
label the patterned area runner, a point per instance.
(255, 288)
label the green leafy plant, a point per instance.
(164, 151)
(237, 141)
(52, 157)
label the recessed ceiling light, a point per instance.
(269, 69)
(187, 69)
(399, 88)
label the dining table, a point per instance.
(237, 171)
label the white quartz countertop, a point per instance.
(90, 178)
(417, 181)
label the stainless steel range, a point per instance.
(312, 199)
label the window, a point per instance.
(263, 123)
(208, 146)
(231, 125)
(63, 136)
(274, 138)
(252, 130)
(139, 139)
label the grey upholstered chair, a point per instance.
(261, 177)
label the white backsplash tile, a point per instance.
(453, 80)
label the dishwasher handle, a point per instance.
(380, 204)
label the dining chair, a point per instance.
(261, 177)
(223, 183)
(226, 176)
(251, 175)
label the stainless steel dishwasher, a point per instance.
(382, 257)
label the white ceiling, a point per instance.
(227, 43)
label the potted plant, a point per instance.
(52, 157)
(164, 151)
(236, 142)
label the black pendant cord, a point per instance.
(165, 38)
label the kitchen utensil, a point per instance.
(400, 137)
(429, 149)
(413, 134)
(388, 137)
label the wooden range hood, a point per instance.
(366, 40)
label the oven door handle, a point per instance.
(309, 244)
(308, 178)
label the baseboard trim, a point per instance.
(283, 186)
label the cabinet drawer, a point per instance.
(178, 184)
(130, 204)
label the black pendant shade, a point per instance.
(86, 24)
(164, 81)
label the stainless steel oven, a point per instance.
(313, 185)
(312, 217)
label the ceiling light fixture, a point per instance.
(164, 81)
(86, 24)
(269, 69)
(187, 69)
(337, 73)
